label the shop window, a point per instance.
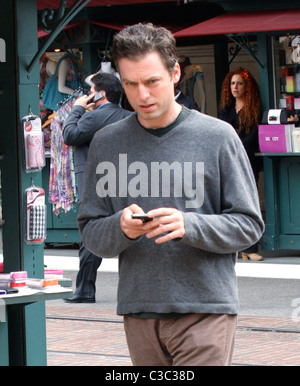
(287, 72)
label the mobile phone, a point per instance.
(98, 96)
(141, 216)
(12, 291)
(8, 291)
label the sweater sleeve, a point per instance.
(99, 226)
(239, 224)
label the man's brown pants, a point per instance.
(191, 340)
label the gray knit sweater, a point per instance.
(199, 167)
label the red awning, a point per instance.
(42, 34)
(53, 4)
(245, 22)
(120, 26)
(115, 26)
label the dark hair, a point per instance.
(141, 39)
(110, 84)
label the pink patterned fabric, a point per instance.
(35, 151)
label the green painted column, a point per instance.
(9, 141)
(221, 65)
(266, 73)
(18, 26)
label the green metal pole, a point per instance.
(33, 256)
(221, 66)
(266, 72)
(18, 24)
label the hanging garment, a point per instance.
(62, 185)
(51, 94)
(192, 85)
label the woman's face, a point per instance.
(238, 86)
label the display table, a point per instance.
(11, 309)
(28, 295)
(282, 193)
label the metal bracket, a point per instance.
(48, 19)
(242, 42)
(55, 23)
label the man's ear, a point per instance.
(176, 73)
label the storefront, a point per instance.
(276, 34)
(282, 169)
(217, 45)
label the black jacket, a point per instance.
(79, 130)
(250, 140)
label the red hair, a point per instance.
(250, 113)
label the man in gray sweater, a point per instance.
(190, 174)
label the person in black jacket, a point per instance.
(79, 130)
(240, 106)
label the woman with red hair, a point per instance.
(240, 106)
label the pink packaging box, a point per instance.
(272, 139)
(297, 103)
(18, 275)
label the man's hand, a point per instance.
(165, 220)
(85, 101)
(132, 228)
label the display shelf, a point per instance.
(28, 296)
(290, 65)
(277, 154)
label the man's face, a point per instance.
(93, 89)
(149, 88)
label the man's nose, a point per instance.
(143, 92)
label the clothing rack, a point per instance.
(67, 98)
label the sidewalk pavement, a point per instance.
(93, 335)
(275, 267)
(101, 341)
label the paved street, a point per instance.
(258, 296)
(268, 331)
(99, 340)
